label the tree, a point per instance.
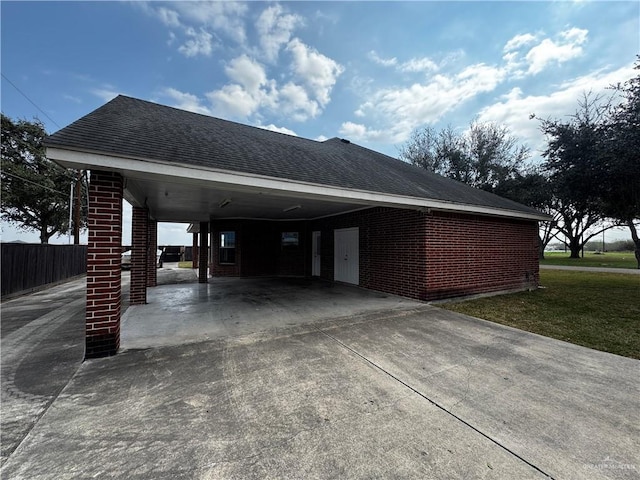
(483, 156)
(619, 173)
(572, 161)
(35, 191)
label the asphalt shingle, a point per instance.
(132, 128)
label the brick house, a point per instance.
(262, 203)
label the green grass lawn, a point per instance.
(188, 264)
(608, 259)
(596, 310)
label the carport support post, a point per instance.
(104, 286)
(194, 250)
(152, 247)
(203, 253)
(139, 241)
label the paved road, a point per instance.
(42, 347)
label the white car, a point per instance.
(125, 259)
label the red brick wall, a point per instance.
(439, 255)
(403, 252)
(390, 241)
(152, 248)
(104, 292)
(259, 250)
(139, 240)
(469, 254)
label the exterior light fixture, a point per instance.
(224, 203)
(292, 208)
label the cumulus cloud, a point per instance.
(405, 108)
(275, 28)
(515, 108)
(185, 101)
(519, 41)
(226, 18)
(419, 65)
(273, 128)
(359, 132)
(197, 23)
(525, 54)
(199, 43)
(317, 71)
(252, 91)
(568, 46)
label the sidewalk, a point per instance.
(627, 271)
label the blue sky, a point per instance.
(367, 71)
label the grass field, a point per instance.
(609, 259)
(596, 310)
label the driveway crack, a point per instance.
(435, 404)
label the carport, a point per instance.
(270, 204)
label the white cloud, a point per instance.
(568, 46)
(246, 72)
(316, 70)
(200, 43)
(273, 128)
(321, 138)
(357, 131)
(515, 108)
(233, 101)
(185, 101)
(405, 108)
(275, 29)
(169, 17)
(295, 102)
(106, 92)
(223, 17)
(199, 21)
(385, 62)
(413, 65)
(419, 65)
(519, 41)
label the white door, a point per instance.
(346, 256)
(315, 247)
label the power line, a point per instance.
(32, 182)
(31, 101)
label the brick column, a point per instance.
(203, 253)
(152, 260)
(194, 250)
(104, 293)
(139, 239)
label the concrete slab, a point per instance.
(405, 392)
(190, 312)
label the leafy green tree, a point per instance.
(619, 173)
(572, 161)
(483, 156)
(35, 191)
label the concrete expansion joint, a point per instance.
(434, 403)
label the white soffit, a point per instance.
(212, 178)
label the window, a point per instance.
(227, 247)
(290, 240)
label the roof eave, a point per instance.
(143, 167)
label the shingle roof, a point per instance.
(133, 128)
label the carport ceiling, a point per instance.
(169, 200)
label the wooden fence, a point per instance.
(28, 266)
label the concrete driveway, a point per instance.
(407, 392)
